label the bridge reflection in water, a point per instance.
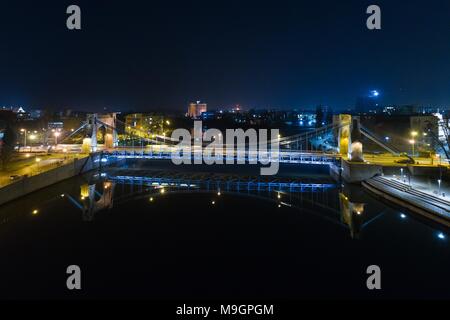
(335, 207)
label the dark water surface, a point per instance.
(180, 241)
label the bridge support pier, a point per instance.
(356, 172)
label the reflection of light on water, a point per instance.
(285, 204)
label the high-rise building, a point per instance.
(195, 110)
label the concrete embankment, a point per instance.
(427, 205)
(28, 185)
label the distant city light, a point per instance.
(441, 236)
(403, 216)
(375, 93)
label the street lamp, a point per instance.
(37, 163)
(56, 134)
(412, 142)
(25, 137)
(32, 137)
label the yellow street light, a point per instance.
(412, 142)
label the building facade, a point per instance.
(196, 109)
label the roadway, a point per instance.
(30, 164)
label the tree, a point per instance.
(443, 143)
(9, 138)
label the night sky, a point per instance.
(160, 55)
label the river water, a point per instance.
(172, 236)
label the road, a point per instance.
(32, 164)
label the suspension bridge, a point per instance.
(341, 139)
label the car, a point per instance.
(15, 177)
(405, 161)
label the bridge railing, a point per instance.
(255, 157)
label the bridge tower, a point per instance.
(356, 148)
(349, 138)
(95, 122)
(344, 122)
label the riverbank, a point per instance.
(427, 205)
(31, 184)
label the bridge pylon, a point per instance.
(349, 138)
(344, 134)
(97, 121)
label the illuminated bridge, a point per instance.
(338, 145)
(292, 157)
